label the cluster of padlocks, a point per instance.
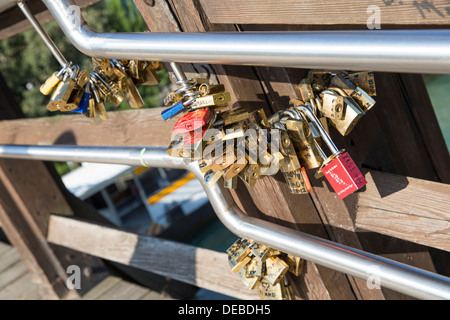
(235, 144)
(112, 80)
(264, 268)
(249, 145)
(238, 144)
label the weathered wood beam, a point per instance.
(406, 208)
(197, 266)
(28, 194)
(13, 21)
(142, 127)
(306, 12)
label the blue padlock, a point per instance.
(172, 111)
(84, 103)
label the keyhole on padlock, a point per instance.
(286, 142)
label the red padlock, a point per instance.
(194, 136)
(339, 169)
(192, 121)
(343, 175)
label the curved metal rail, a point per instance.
(391, 274)
(413, 51)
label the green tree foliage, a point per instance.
(26, 62)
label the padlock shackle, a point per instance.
(307, 113)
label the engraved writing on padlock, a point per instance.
(216, 99)
(301, 137)
(333, 106)
(365, 101)
(297, 181)
(364, 80)
(343, 175)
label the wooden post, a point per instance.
(28, 195)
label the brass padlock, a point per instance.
(267, 291)
(147, 74)
(332, 106)
(132, 94)
(295, 263)
(259, 117)
(250, 174)
(132, 68)
(212, 177)
(275, 270)
(53, 80)
(306, 91)
(249, 281)
(300, 135)
(67, 95)
(207, 89)
(365, 101)
(231, 117)
(230, 183)
(215, 99)
(365, 80)
(340, 82)
(320, 80)
(237, 167)
(353, 113)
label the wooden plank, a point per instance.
(307, 12)
(124, 290)
(8, 258)
(25, 233)
(13, 273)
(406, 208)
(13, 21)
(101, 288)
(201, 267)
(18, 288)
(27, 195)
(123, 128)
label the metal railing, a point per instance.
(399, 277)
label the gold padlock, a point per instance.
(215, 99)
(300, 135)
(353, 113)
(132, 94)
(365, 101)
(364, 80)
(332, 105)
